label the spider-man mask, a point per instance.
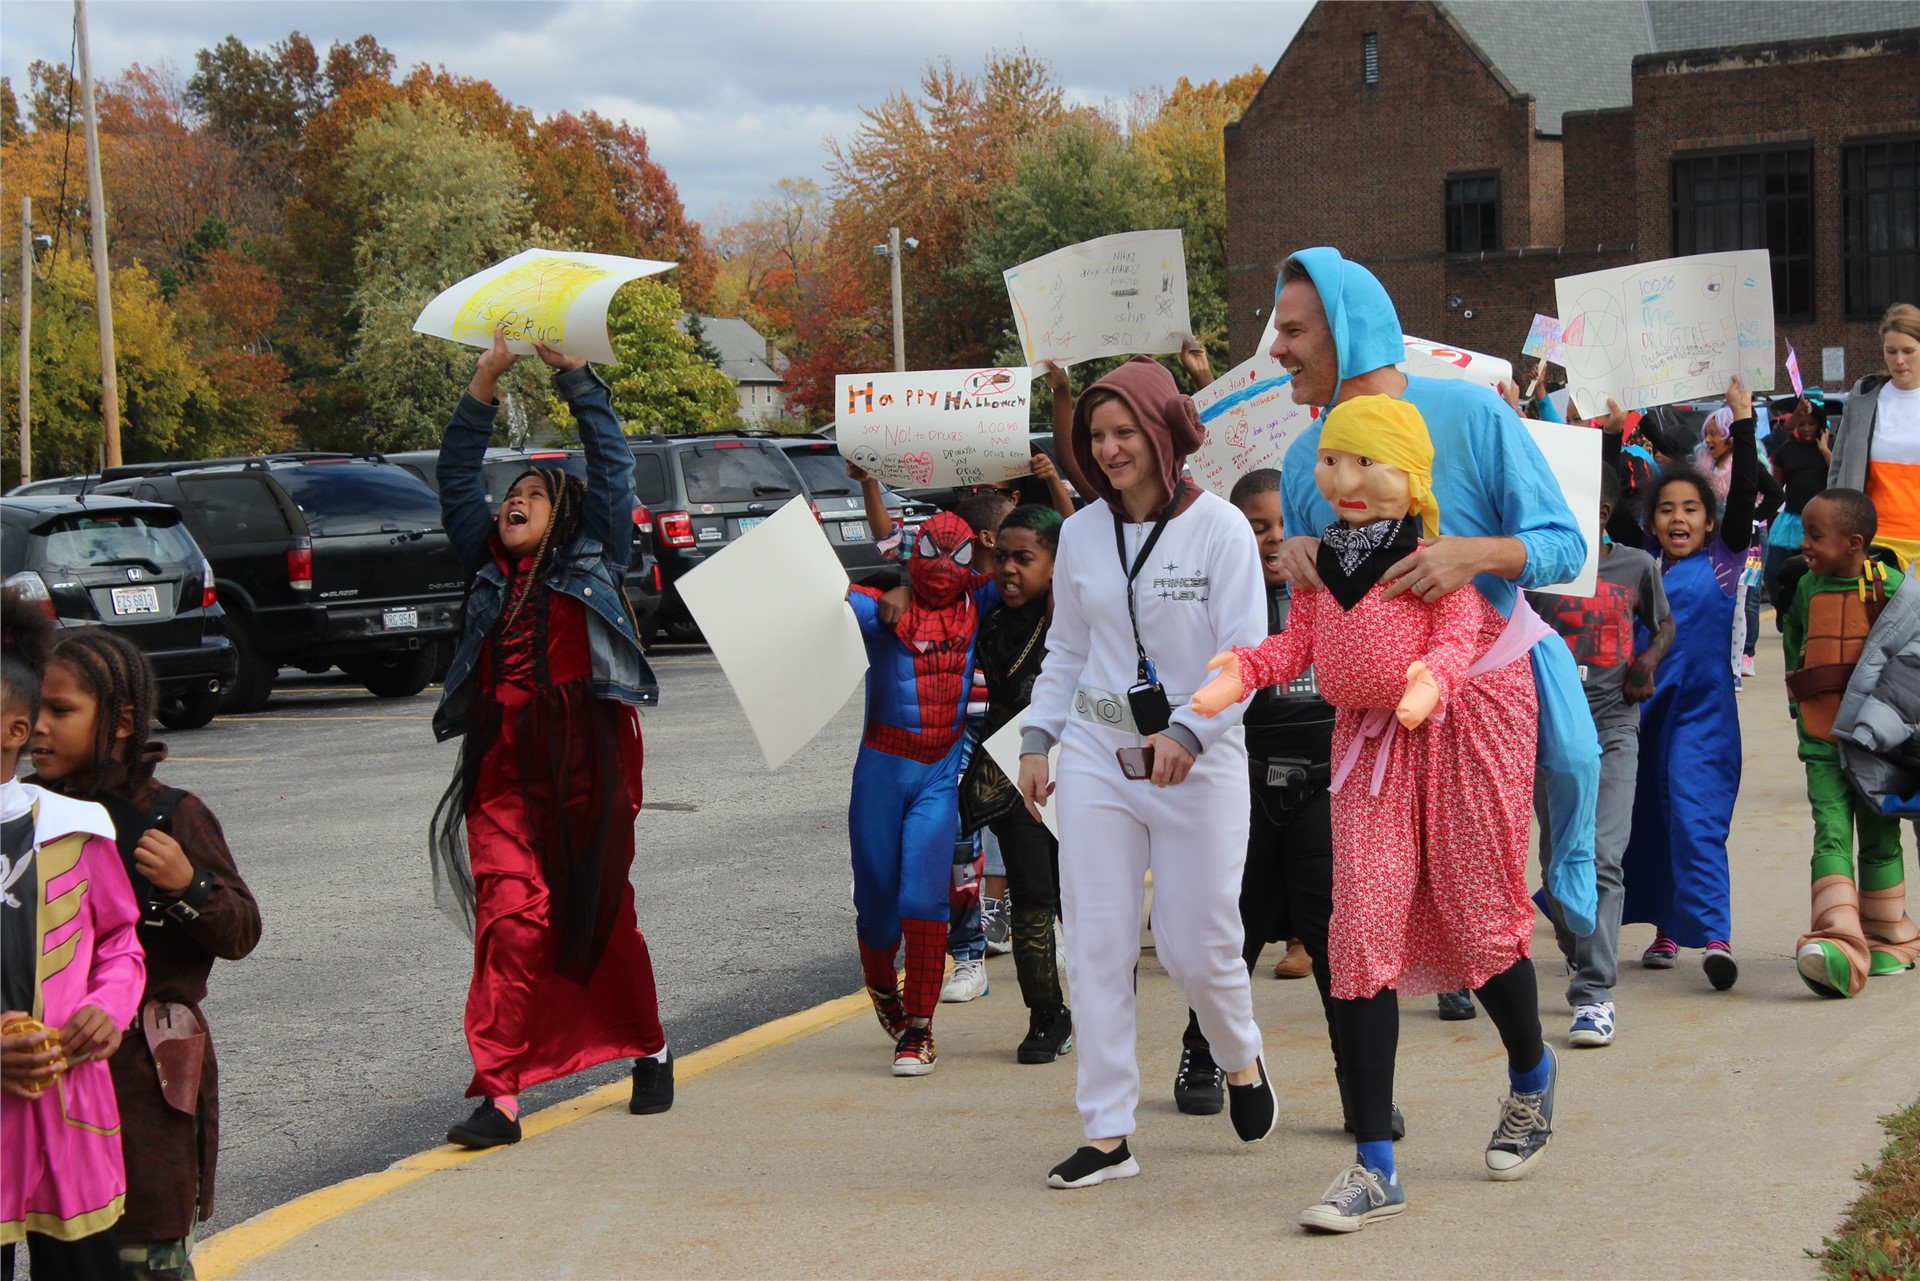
(942, 564)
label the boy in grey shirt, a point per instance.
(1601, 631)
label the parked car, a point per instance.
(56, 485)
(320, 560)
(704, 491)
(99, 561)
(843, 512)
(501, 467)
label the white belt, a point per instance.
(1112, 711)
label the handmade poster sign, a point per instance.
(1004, 748)
(1573, 452)
(542, 295)
(1543, 340)
(1793, 371)
(773, 606)
(1120, 295)
(1659, 332)
(935, 427)
(1437, 360)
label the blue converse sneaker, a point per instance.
(1526, 1124)
(1357, 1198)
(1592, 1025)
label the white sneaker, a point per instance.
(968, 980)
(1592, 1025)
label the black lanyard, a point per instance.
(1139, 563)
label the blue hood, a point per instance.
(1366, 329)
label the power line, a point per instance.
(66, 154)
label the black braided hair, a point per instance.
(119, 677)
(25, 634)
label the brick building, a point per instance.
(1469, 153)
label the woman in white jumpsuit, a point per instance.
(1197, 591)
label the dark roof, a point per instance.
(743, 351)
(39, 506)
(1577, 55)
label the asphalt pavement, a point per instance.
(340, 1038)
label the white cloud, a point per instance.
(733, 96)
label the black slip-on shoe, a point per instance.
(1253, 1108)
(1089, 1165)
(488, 1127)
(652, 1086)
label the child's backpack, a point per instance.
(1837, 628)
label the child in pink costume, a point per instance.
(73, 963)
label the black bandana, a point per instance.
(1352, 557)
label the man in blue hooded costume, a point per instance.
(1509, 528)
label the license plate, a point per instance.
(748, 522)
(136, 600)
(853, 531)
(399, 619)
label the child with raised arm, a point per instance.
(535, 833)
(71, 971)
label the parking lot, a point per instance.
(340, 1037)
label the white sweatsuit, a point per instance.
(1200, 593)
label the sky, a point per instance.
(733, 96)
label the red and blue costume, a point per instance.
(906, 800)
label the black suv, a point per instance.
(843, 512)
(320, 560)
(704, 492)
(501, 467)
(95, 561)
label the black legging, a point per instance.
(1032, 856)
(91, 1258)
(1369, 1033)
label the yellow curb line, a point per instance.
(226, 1252)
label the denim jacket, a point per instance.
(590, 569)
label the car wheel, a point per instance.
(253, 683)
(188, 711)
(400, 675)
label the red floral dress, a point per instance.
(1430, 825)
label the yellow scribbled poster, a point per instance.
(530, 302)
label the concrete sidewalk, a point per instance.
(1717, 1138)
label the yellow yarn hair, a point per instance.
(1392, 432)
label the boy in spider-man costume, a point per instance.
(906, 780)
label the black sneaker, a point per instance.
(652, 1086)
(488, 1127)
(1198, 1087)
(1399, 1124)
(1089, 1165)
(1049, 1034)
(1455, 1006)
(1254, 1109)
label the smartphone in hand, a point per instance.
(1136, 762)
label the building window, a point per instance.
(1751, 200)
(1370, 58)
(1880, 191)
(1473, 212)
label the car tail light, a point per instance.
(300, 567)
(656, 577)
(32, 589)
(208, 596)
(729, 444)
(814, 507)
(642, 518)
(676, 529)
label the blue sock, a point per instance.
(1377, 1157)
(1534, 1081)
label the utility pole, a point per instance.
(102, 274)
(26, 337)
(899, 317)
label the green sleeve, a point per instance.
(1793, 629)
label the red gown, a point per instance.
(540, 787)
(1430, 869)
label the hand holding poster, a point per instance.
(1658, 332)
(1119, 295)
(935, 427)
(541, 295)
(771, 606)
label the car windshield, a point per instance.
(735, 472)
(360, 498)
(86, 540)
(824, 471)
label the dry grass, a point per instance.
(1881, 1235)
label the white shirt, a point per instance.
(1896, 426)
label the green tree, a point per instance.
(441, 202)
(661, 383)
(10, 126)
(697, 331)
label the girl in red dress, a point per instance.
(535, 833)
(1433, 751)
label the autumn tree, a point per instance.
(766, 258)
(660, 382)
(10, 125)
